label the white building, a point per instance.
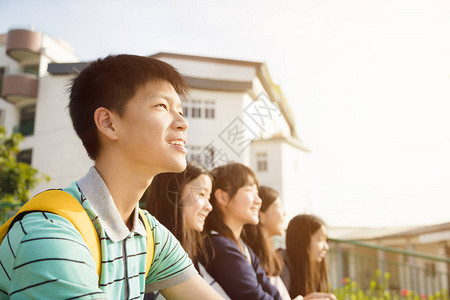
(235, 113)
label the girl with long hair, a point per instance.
(259, 237)
(305, 271)
(180, 201)
(230, 262)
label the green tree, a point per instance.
(16, 178)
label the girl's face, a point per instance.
(195, 201)
(318, 246)
(244, 207)
(273, 218)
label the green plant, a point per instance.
(16, 178)
(379, 290)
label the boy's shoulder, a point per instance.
(39, 242)
(158, 230)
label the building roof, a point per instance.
(420, 230)
(293, 141)
(207, 59)
(222, 85)
(363, 233)
(66, 68)
(385, 233)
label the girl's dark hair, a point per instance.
(256, 236)
(163, 201)
(229, 178)
(307, 276)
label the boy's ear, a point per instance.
(104, 120)
(221, 197)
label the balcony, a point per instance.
(19, 87)
(24, 45)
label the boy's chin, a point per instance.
(177, 167)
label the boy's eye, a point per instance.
(162, 105)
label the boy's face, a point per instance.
(152, 132)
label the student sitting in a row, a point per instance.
(306, 242)
(235, 270)
(180, 201)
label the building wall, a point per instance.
(204, 132)
(295, 181)
(9, 113)
(229, 118)
(57, 150)
(286, 169)
(272, 177)
(57, 51)
(5, 60)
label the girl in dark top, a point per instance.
(180, 201)
(259, 237)
(229, 261)
(305, 271)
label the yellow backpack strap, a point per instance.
(65, 205)
(150, 243)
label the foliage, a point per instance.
(16, 178)
(379, 290)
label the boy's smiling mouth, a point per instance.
(179, 144)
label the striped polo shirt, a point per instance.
(43, 256)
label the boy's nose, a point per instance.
(182, 123)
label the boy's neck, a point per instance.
(126, 186)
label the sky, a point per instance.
(368, 82)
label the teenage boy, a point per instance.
(127, 111)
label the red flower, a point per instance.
(405, 293)
(423, 296)
(345, 280)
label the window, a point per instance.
(261, 161)
(196, 109)
(200, 109)
(194, 153)
(26, 126)
(210, 109)
(31, 69)
(24, 156)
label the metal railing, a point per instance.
(398, 270)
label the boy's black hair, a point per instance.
(111, 82)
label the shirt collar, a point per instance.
(95, 190)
